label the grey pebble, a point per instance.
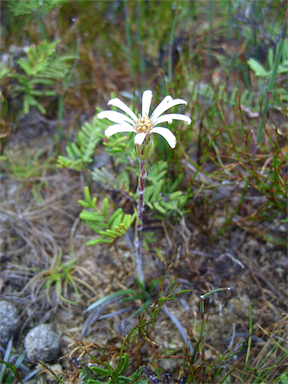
(9, 322)
(42, 343)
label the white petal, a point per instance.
(146, 102)
(165, 101)
(170, 117)
(139, 138)
(162, 107)
(116, 117)
(119, 104)
(118, 128)
(167, 134)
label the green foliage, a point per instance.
(28, 7)
(120, 294)
(266, 367)
(58, 278)
(221, 94)
(105, 179)
(4, 71)
(40, 70)
(147, 323)
(110, 228)
(130, 295)
(161, 194)
(109, 375)
(281, 46)
(283, 378)
(271, 182)
(265, 75)
(26, 165)
(13, 367)
(81, 154)
(96, 374)
(121, 148)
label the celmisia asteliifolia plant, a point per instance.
(143, 126)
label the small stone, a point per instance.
(42, 343)
(9, 322)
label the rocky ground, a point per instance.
(41, 232)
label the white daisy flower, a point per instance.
(144, 125)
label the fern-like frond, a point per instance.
(108, 228)
(123, 364)
(157, 172)
(81, 154)
(121, 148)
(155, 198)
(105, 179)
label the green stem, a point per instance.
(128, 38)
(202, 311)
(211, 16)
(139, 24)
(171, 46)
(249, 341)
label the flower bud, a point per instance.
(145, 150)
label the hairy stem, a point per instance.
(139, 223)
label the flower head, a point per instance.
(144, 125)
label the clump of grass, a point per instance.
(56, 282)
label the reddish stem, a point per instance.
(139, 223)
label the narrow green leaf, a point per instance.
(114, 215)
(175, 195)
(119, 230)
(106, 234)
(6, 359)
(116, 222)
(123, 364)
(97, 241)
(26, 105)
(70, 153)
(112, 233)
(83, 204)
(93, 226)
(157, 190)
(159, 207)
(270, 58)
(105, 207)
(93, 203)
(87, 194)
(76, 150)
(114, 295)
(93, 216)
(41, 108)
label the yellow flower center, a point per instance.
(143, 124)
